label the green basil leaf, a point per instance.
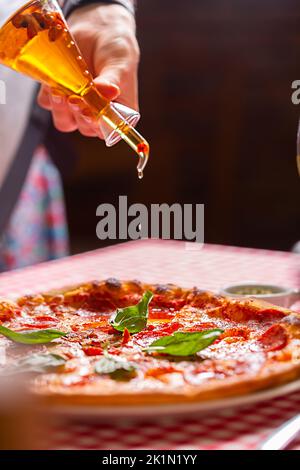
(31, 337)
(133, 318)
(38, 363)
(184, 343)
(117, 368)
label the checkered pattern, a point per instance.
(159, 261)
(224, 430)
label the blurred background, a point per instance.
(215, 98)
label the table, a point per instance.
(209, 267)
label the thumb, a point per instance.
(108, 83)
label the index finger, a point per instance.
(44, 97)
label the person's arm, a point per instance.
(105, 33)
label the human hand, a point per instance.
(106, 37)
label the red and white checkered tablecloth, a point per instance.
(166, 261)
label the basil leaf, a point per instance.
(38, 363)
(31, 337)
(116, 367)
(133, 318)
(184, 343)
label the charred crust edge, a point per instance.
(113, 283)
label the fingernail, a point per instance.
(87, 117)
(75, 103)
(74, 107)
(58, 99)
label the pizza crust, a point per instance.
(100, 395)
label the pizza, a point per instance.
(128, 343)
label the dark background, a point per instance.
(215, 97)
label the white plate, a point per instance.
(154, 411)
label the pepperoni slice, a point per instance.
(158, 331)
(157, 314)
(45, 318)
(39, 322)
(170, 328)
(92, 350)
(270, 314)
(274, 338)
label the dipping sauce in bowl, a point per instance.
(277, 295)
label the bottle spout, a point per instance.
(114, 120)
(117, 122)
(143, 159)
